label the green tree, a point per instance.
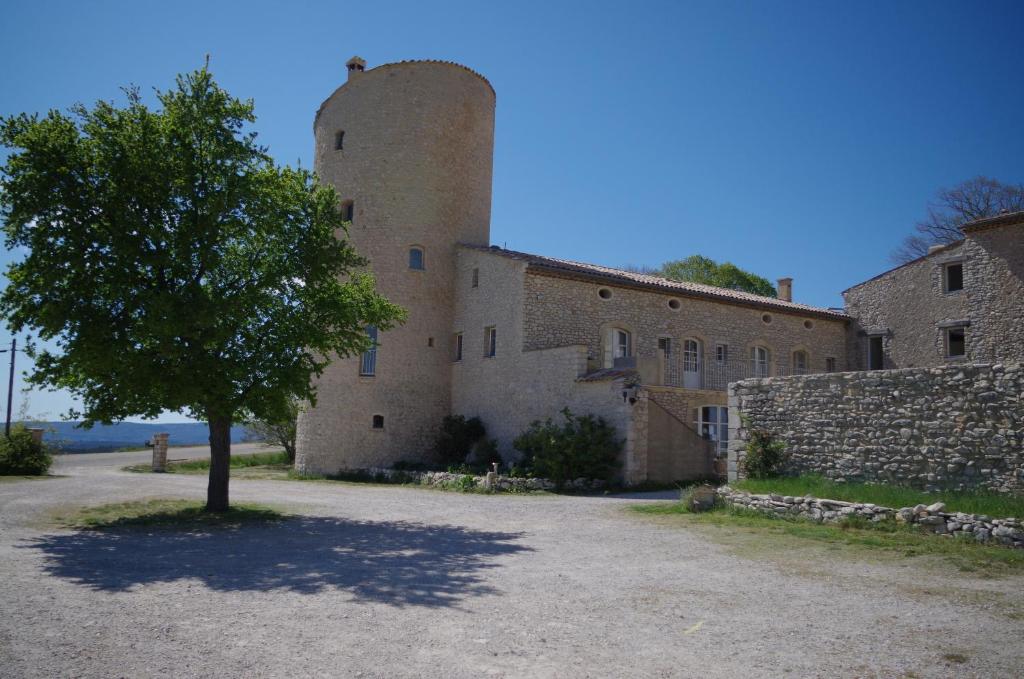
(953, 207)
(700, 269)
(174, 265)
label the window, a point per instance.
(808, 324)
(457, 346)
(378, 421)
(339, 140)
(722, 353)
(348, 211)
(618, 344)
(800, 362)
(759, 357)
(713, 424)
(416, 259)
(953, 277)
(876, 357)
(674, 304)
(766, 318)
(604, 293)
(665, 344)
(476, 278)
(490, 341)
(430, 342)
(830, 364)
(368, 364)
(956, 342)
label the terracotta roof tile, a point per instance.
(593, 271)
(1005, 219)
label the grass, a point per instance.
(163, 513)
(201, 466)
(856, 534)
(996, 505)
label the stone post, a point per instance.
(37, 435)
(160, 452)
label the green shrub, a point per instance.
(765, 455)
(586, 447)
(457, 438)
(485, 453)
(21, 455)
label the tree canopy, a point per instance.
(700, 269)
(955, 206)
(175, 265)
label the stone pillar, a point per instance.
(160, 452)
(37, 435)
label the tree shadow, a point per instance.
(396, 563)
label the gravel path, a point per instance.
(391, 582)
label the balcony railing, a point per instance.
(689, 373)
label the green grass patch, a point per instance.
(163, 513)
(856, 533)
(277, 458)
(996, 505)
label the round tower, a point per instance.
(409, 147)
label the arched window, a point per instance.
(416, 259)
(800, 362)
(692, 363)
(760, 358)
(618, 344)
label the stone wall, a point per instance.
(910, 310)
(947, 427)
(933, 518)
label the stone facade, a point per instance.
(911, 311)
(411, 145)
(952, 427)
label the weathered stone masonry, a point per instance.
(951, 427)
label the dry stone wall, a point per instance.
(954, 427)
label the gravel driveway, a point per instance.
(377, 581)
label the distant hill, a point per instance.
(69, 438)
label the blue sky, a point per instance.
(795, 139)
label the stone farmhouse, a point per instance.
(512, 337)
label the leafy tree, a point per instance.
(175, 265)
(953, 207)
(280, 429)
(700, 269)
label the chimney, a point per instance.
(786, 289)
(355, 66)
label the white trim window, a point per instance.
(368, 363)
(760, 358)
(713, 424)
(619, 344)
(490, 341)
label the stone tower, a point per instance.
(409, 147)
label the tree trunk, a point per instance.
(220, 464)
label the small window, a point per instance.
(808, 324)
(800, 362)
(673, 304)
(830, 364)
(956, 343)
(954, 277)
(430, 342)
(665, 344)
(759, 361)
(490, 342)
(416, 259)
(378, 421)
(339, 140)
(457, 346)
(722, 353)
(619, 344)
(767, 318)
(348, 210)
(368, 364)
(713, 424)
(876, 357)
(604, 293)
(476, 278)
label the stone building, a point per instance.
(962, 302)
(512, 337)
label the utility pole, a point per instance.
(10, 388)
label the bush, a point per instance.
(21, 455)
(765, 456)
(485, 454)
(457, 438)
(581, 447)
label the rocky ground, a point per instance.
(385, 581)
